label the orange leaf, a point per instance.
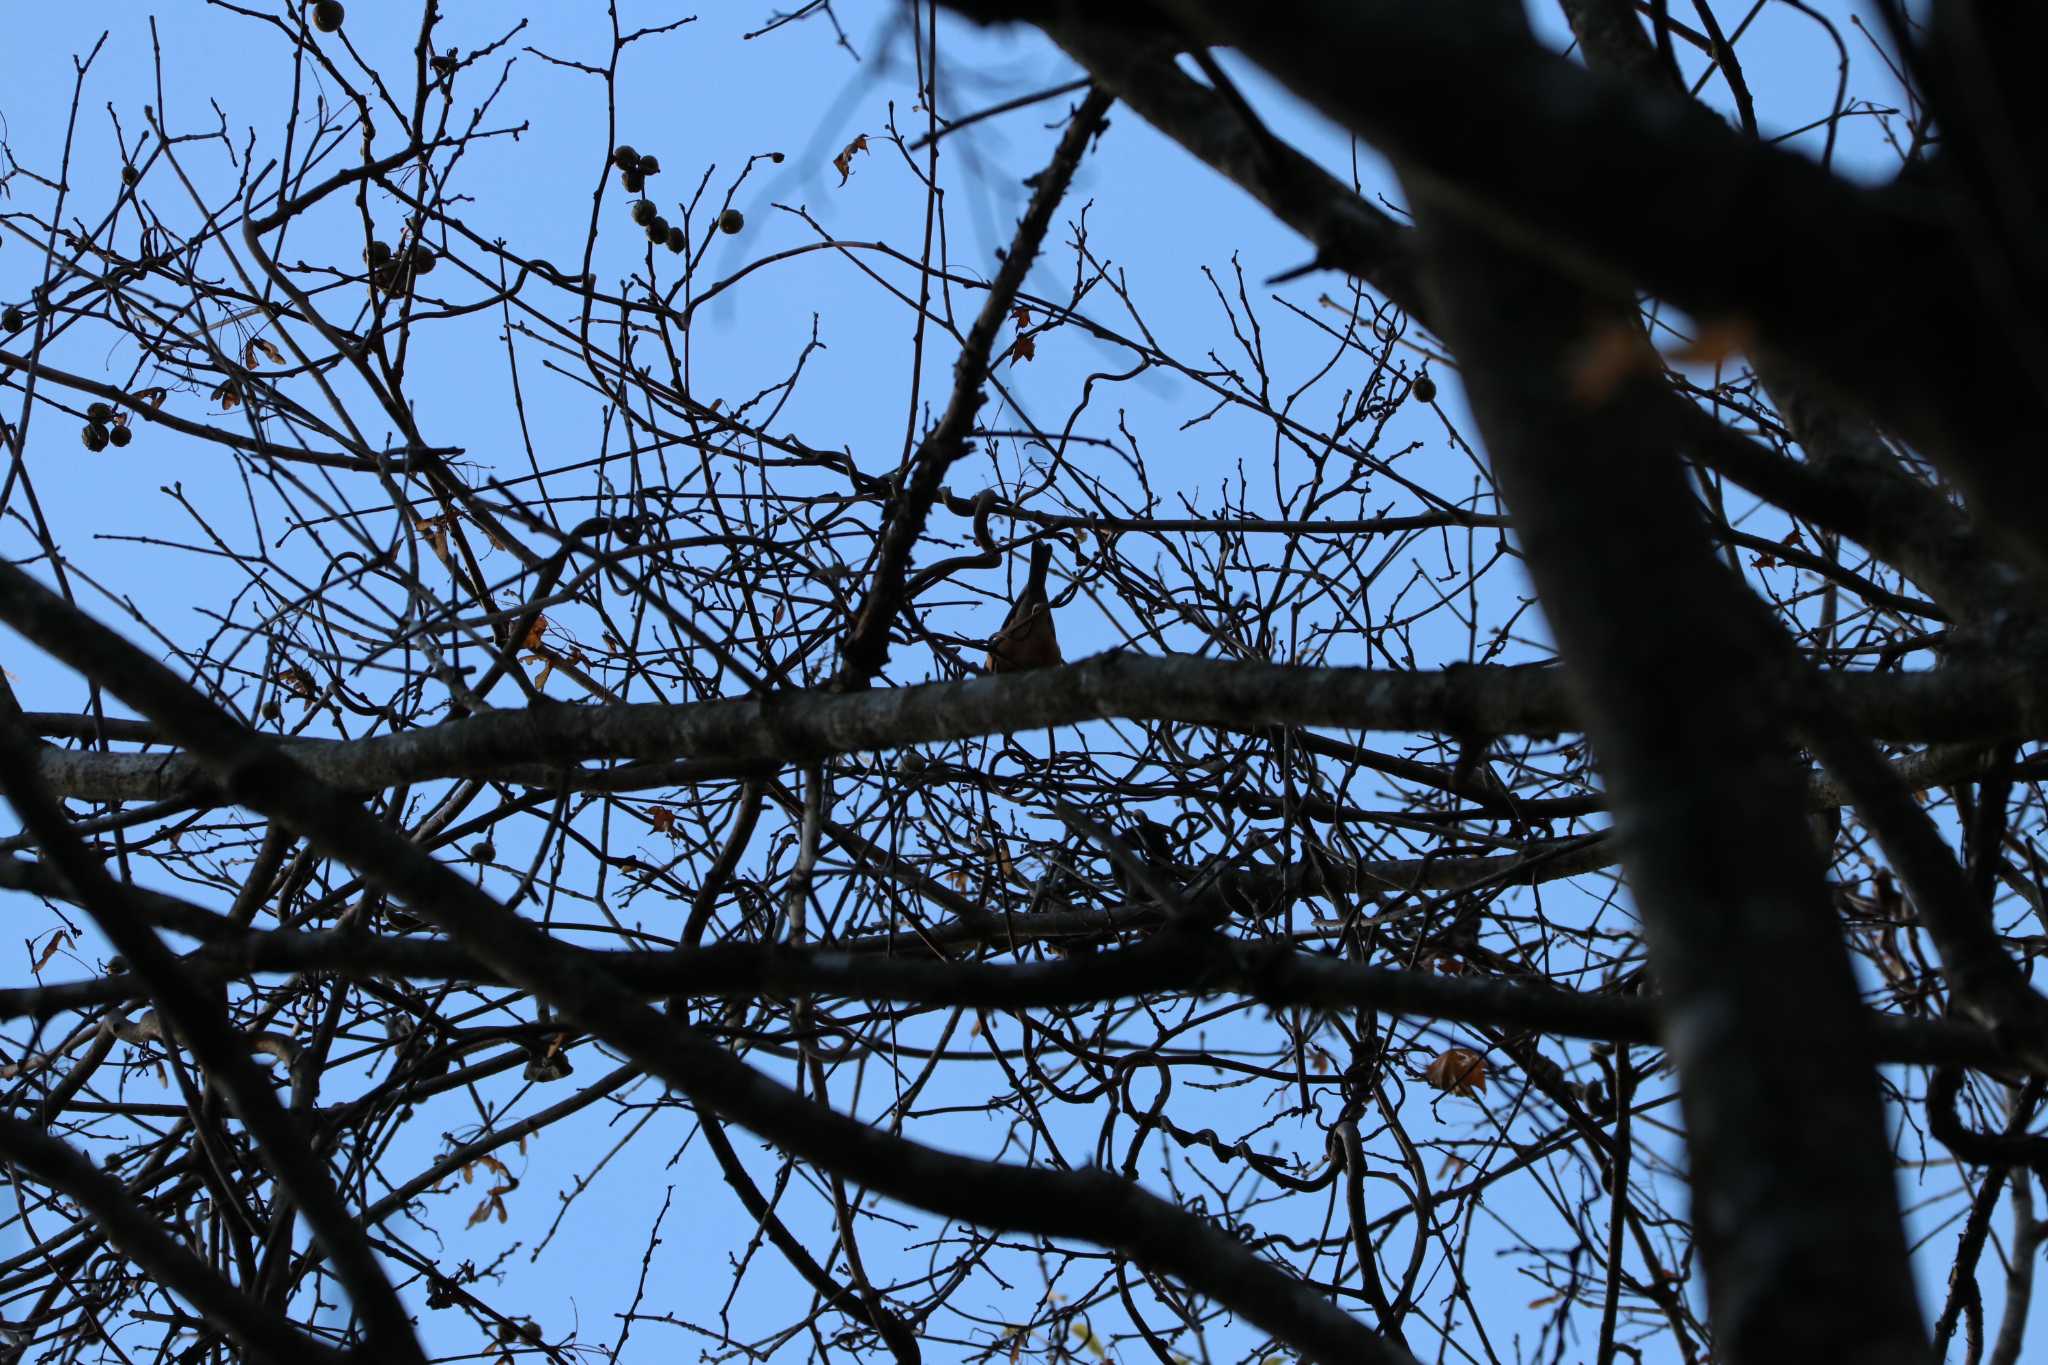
(1021, 315)
(663, 820)
(57, 940)
(259, 347)
(1718, 340)
(1023, 348)
(843, 163)
(1609, 359)
(535, 632)
(436, 531)
(1459, 1071)
(228, 396)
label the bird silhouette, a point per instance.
(1027, 638)
(1153, 842)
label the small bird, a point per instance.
(1153, 843)
(1027, 639)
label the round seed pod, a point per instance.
(120, 436)
(101, 413)
(13, 320)
(94, 436)
(327, 15)
(732, 220)
(1425, 389)
(650, 164)
(633, 180)
(625, 158)
(657, 231)
(644, 211)
(129, 175)
(271, 709)
(377, 253)
(424, 259)
(675, 240)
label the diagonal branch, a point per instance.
(224, 1052)
(1088, 1205)
(866, 647)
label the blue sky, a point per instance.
(709, 100)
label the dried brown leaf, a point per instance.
(843, 163)
(1457, 1071)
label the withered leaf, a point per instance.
(1609, 359)
(843, 163)
(1717, 341)
(57, 941)
(1458, 1071)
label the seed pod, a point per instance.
(378, 253)
(644, 211)
(732, 220)
(424, 259)
(327, 15)
(625, 158)
(120, 436)
(485, 851)
(775, 157)
(271, 709)
(443, 64)
(129, 175)
(675, 240)
(12, 320)
(650, 165)
(95, 437)
(657, 231)
(101, 413)
(633, 180)
(1425, 389)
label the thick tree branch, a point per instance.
(1794, 1198)
(533, 745)
(199, 1025)
(264, 1335)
